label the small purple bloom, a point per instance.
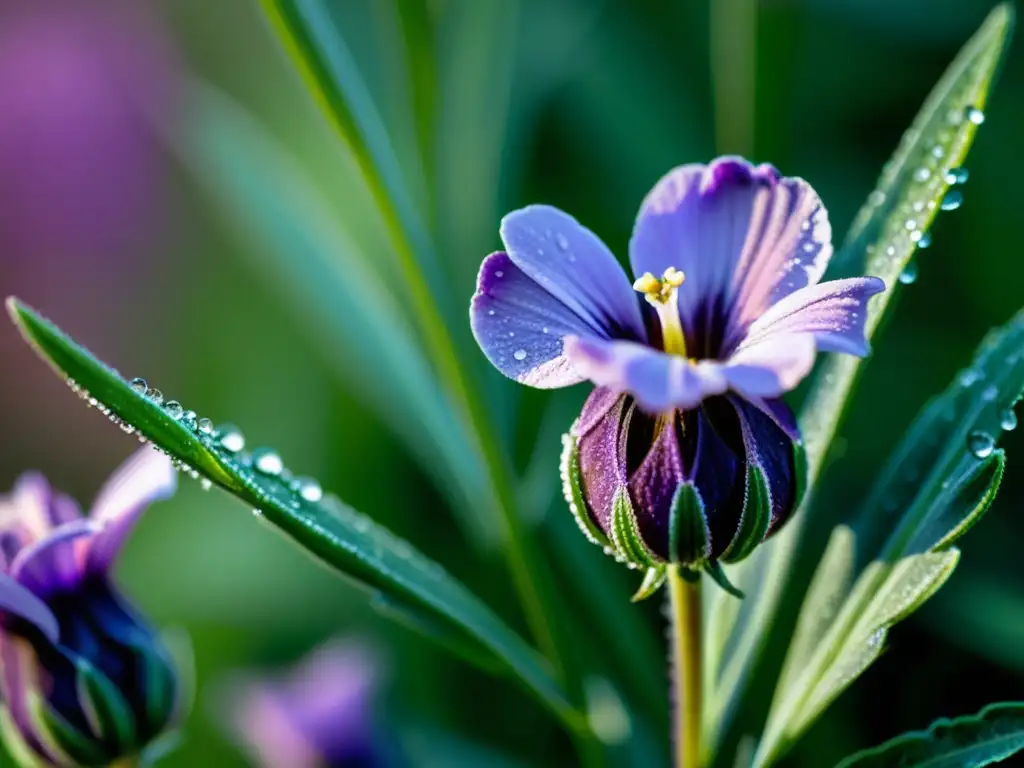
(85, 681)
(317, 715)
(685, 452)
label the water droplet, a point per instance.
(544, 329)
(188, 418)
(957, 176)
(519, 354)
(490, 312)
(138, 385)
(991, 393)
(173, 409)
(890, 251)
(922, 174)
(230, 438)
(938, 152)
(499, 273)
(953, 200)
(562, 242)
(1008, 420)
(511, 334)
(981, 444)
(155, 396)
(205, 426)
(975, 115)
(876, 198)
(309, 489)
(968, 376)
(267, 461)
(909, 273)
(206, 484)
(916, 235)
(257, 512)
(809, 247)
(910, 225)
(925, 241)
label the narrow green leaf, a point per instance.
(348, 308)
(991, 736)
(966, 84)
(106, 709)
(344, 539)
(325, 63)
(941, 480)
(717, 574)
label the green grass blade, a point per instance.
(347, 541)
(991, 736)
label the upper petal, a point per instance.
(771, 366)
(147, 476)
(52, 564)
(30, 512)
(834, 313)
(743, 235)
(19, 602)
(658, 381)
(572, 264)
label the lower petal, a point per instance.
(19, 603)
(771, 367)
(659, 382)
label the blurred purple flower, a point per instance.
(316, 715)
(85, 681)
(78, 161)
(685, 452)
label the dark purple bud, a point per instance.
(694, 488)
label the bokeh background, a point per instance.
(580, 103)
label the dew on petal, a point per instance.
(519, 354)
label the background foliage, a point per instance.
(583, 105)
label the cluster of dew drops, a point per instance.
(953, 199)
(980, 443)
(226, 438)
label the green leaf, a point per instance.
(106, 709)
(572, 488)
(688, 533)
(881, 230)
(992, 735)
(324, 61)
(756, 517)
(341, 537)
(940, 487)
(654, 577)
(296, 240)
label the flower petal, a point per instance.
(146, 476)
(19, 602)
(521, 327)
(33, 509)
(833, 312)
(769, 447)
(653, 488)
(717, 473)
(572, 264)
(51, 565)
(743, 236)
(772, 366)
(658, 381)
(601, 432)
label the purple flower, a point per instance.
(684, 452)
(317, 715)
(85, 681)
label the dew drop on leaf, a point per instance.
(1008, 420)
(981, 444)
(925, 240)
(231, 438)
(205, 426)
(173, 409)
(909, 273)
(975, 115)
(953, 200)
(138, 385)
(309, 489)
(991, 393)
(267, 461)
(206, 484)
(188, 418)
(155, 396)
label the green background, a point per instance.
(583, 105)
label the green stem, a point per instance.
(687, 674)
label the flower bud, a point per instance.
(695, 488)
(85, 681)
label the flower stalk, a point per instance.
(687, 675)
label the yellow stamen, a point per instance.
(663, 296)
